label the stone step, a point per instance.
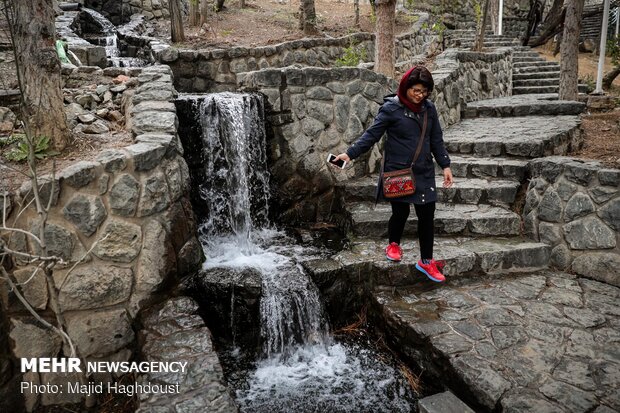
(542, 63)
(535, 69)
(465, 190)
(478, 167)
(525, 53)
(451, 219)
(536, 82)
(525, 137)
(535, 89)
(535, 75)
(487, 339)
(523, 59)
(463, 256)
(523, 105)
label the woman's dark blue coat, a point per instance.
(403, 128)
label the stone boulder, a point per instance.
(95, 286)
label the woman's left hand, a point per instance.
(448, 181)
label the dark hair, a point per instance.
(421, 75)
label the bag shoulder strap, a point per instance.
(421, 141)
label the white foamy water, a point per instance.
(325, 379)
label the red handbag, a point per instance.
(401, 183)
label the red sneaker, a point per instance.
(394, 252)
(431, 270)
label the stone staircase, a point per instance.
(465, 38)
(484, 332)
(489, 164)
(531, 73)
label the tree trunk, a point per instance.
(219, 5)
(569, 50)
(194, 14)
(481, 28)
(356, 7)
(38, 67)
(176, 22)
(241, 4)
(307, 17)
(609, 78)
(204, 11)
(384, 37)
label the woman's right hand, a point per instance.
(343, 157)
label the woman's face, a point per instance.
(417, 93)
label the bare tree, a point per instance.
(356, 8)
(307, 17)
(204, 11)
(385, 58)
(194, 13)
(33, 37)
(480, 29)
(569, 50)
(176, 21)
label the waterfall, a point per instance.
(236, 231)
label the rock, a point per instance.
(155, 196)
(115, 116)
(124, 196)
(600, 266)
(104, 179)
(504, 337)
(100, 332)
(120, 79)
(59, 241)
(113, 160)
(561, 257)
(119, 241)
(602, 194)
(524, 401)
(565, 189)
(578, 205)
(87, 118)
(34, 288)
(589, 233)
(550, 207)
(550, 234)
(445, 402)
(174, 178)
(157, 262)
(95, 286)
(86, 212)
(30, 340)
(47, 189)
(584, 317)
(323, 112)
(154, 121)
(146, 156)
(568, 396)
(610, 213)
(79, 174)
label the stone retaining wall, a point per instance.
(199, 71)
(314, 111)
(119, 11)
(461, 77)
(128, 214)
(574, 206)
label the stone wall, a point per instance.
(312, 112)
(461, 77)
(119, 11)
(199, 71)
(125, 229)
(574, 206)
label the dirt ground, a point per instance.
(264, 22)
(602, 138)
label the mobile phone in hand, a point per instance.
(331, 158)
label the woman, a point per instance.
(402, 117)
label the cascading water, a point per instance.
(302, 369)
(100, 31)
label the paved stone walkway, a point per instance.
(547, 342)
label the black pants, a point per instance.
(426, 228)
